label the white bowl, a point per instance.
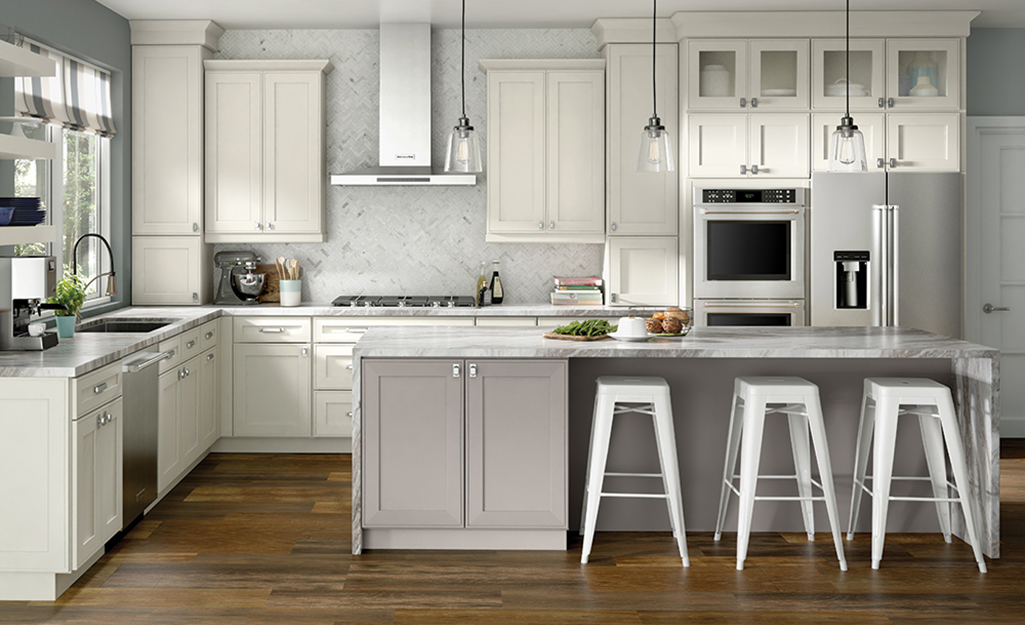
(632, 327)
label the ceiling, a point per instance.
(287, 14)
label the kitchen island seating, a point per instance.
(883, 401)
(615, 396)
(753, 399)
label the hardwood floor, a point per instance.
(259, 539)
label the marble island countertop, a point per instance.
(702, 342)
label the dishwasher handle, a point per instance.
(136, 367)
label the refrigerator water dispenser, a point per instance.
(851, 279)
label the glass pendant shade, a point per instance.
(656, 153)
(463, 154)
(847, 148)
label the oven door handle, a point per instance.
(706, 211)
(753, 305)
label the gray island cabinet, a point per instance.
(476, 438)
(461, 453)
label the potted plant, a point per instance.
(70, 293)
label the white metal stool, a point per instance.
(650, 396)
(753, 399)
(884, 400)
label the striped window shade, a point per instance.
(77, 98)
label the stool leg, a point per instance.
(596, 461)
(865, 427)
(802, 467)
(818, 434)
(882, 472)
(958, 463)
(665, 439)
(730, 466)
(750, 456)
(587, 477)
(932, 440)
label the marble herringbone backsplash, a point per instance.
(413, 240)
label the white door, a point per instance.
(779, 145)
(871, 125)
(293, 154)
(779, 74)
(516, 152)
(168, 270)
(643, 271)
(168, 444)
(717, 145)
(996, 257)
(273, 390)
(209, 374)
(829, 74)
(576, 151)
(717, 70)
(167, 139)
(234, 153)
(923, 73)
(641, 202)
(923, 141)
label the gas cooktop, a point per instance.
(404, 301)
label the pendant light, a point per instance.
(463, 153)
(847, 145)
(656, 153)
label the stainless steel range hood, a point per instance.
(405, 114)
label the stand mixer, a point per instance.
(238, 283)
(25, 284)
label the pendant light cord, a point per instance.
(462, 63)
(848, 55)
(654, 97)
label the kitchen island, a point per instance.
(700, 369)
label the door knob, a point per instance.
(990, 308)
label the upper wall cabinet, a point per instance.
(546, 151)
(641, 202)
(265, 151)
(734, 74)
(923, 74)
(829, 74)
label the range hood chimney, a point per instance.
(405, 114)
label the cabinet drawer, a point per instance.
(272, 330)
(505, 322)
(350, 329)
(172, 345)
(332, 413)
(332, 367)
(191, 345)
(208, 335)
(96, 388)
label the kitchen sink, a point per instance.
(124, 325)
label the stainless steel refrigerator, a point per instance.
(886, 249)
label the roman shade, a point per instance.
(77, 98)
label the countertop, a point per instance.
(702, 342)
(88, 351)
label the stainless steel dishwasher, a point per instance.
(139, 433)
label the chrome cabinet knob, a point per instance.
(743, 103)
(258, 226)
(880, 163)
(613, 226)
(889, 102)
(893, 162)
(754, 169)
(743, 170)
(882, 102)
(754, 103)
(540, 225)
(551, 225)
(270, 225)
(209, 357)
(195, 226)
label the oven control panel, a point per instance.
(749, 196)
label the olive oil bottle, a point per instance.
(482, 292)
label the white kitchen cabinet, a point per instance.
(643, 271)
(829, 74)
(923, 141)
(871, 125)
(725, 83)
(734, 74)
(208, 368)
(171, 270)
(546, 151)
(189, 438)
(763, 145)
(911, 63)
(641, 203)
(332, 414)
(272, 389)
(332, 367)
(265, 151)
(96, 480)
(179, 439)
(779, 74)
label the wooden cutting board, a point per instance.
(570, 337)
(271, 293)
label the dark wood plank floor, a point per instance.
(259, 539)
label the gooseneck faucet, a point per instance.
(112, 282)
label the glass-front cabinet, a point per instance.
(779, 74)
(829, 74)
(922, 73)
(717, 74)
(748, 74)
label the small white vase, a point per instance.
(924, 89)
(715, 81)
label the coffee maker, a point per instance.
(25, 284)
(238, 284)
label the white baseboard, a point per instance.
(250, 445)
(1012, 427)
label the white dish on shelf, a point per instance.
(629, 338)
(779, 93)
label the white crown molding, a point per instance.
(204, 33)
(269, 65)
(703, 24)
(628, 30)
(489, 65)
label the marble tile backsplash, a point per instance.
(413, 240)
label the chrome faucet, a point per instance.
(112, 282)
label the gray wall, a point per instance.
(414, 240)
(996, 71)
(93, 32)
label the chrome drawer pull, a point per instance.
(209, 335)
(209, 357)
(349, 366)
(272, 330)
(99, 388)
(190, 345)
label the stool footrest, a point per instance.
(633, 475)
(757, 498)
(936, 499)
(639, 495)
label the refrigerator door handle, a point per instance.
(881, 273)
(894, 258)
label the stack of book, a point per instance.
(577, 291)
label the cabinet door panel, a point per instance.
(576, 151)
(779, 145)
(516, 151)
(413, 443)
(871, 125)
(933, 64)
(516, 443)
(169, 270)
(724, 65)
(293, 166)
(644, 271)
(641, 202)
(169, 454)
(96, 511)
(234, 152)
(209, 398)
(332, 414)
(924, 141)
(188, 412)
(273, 390)
(829, 74)
(779, 74)
(332, 367)
(718, 145)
